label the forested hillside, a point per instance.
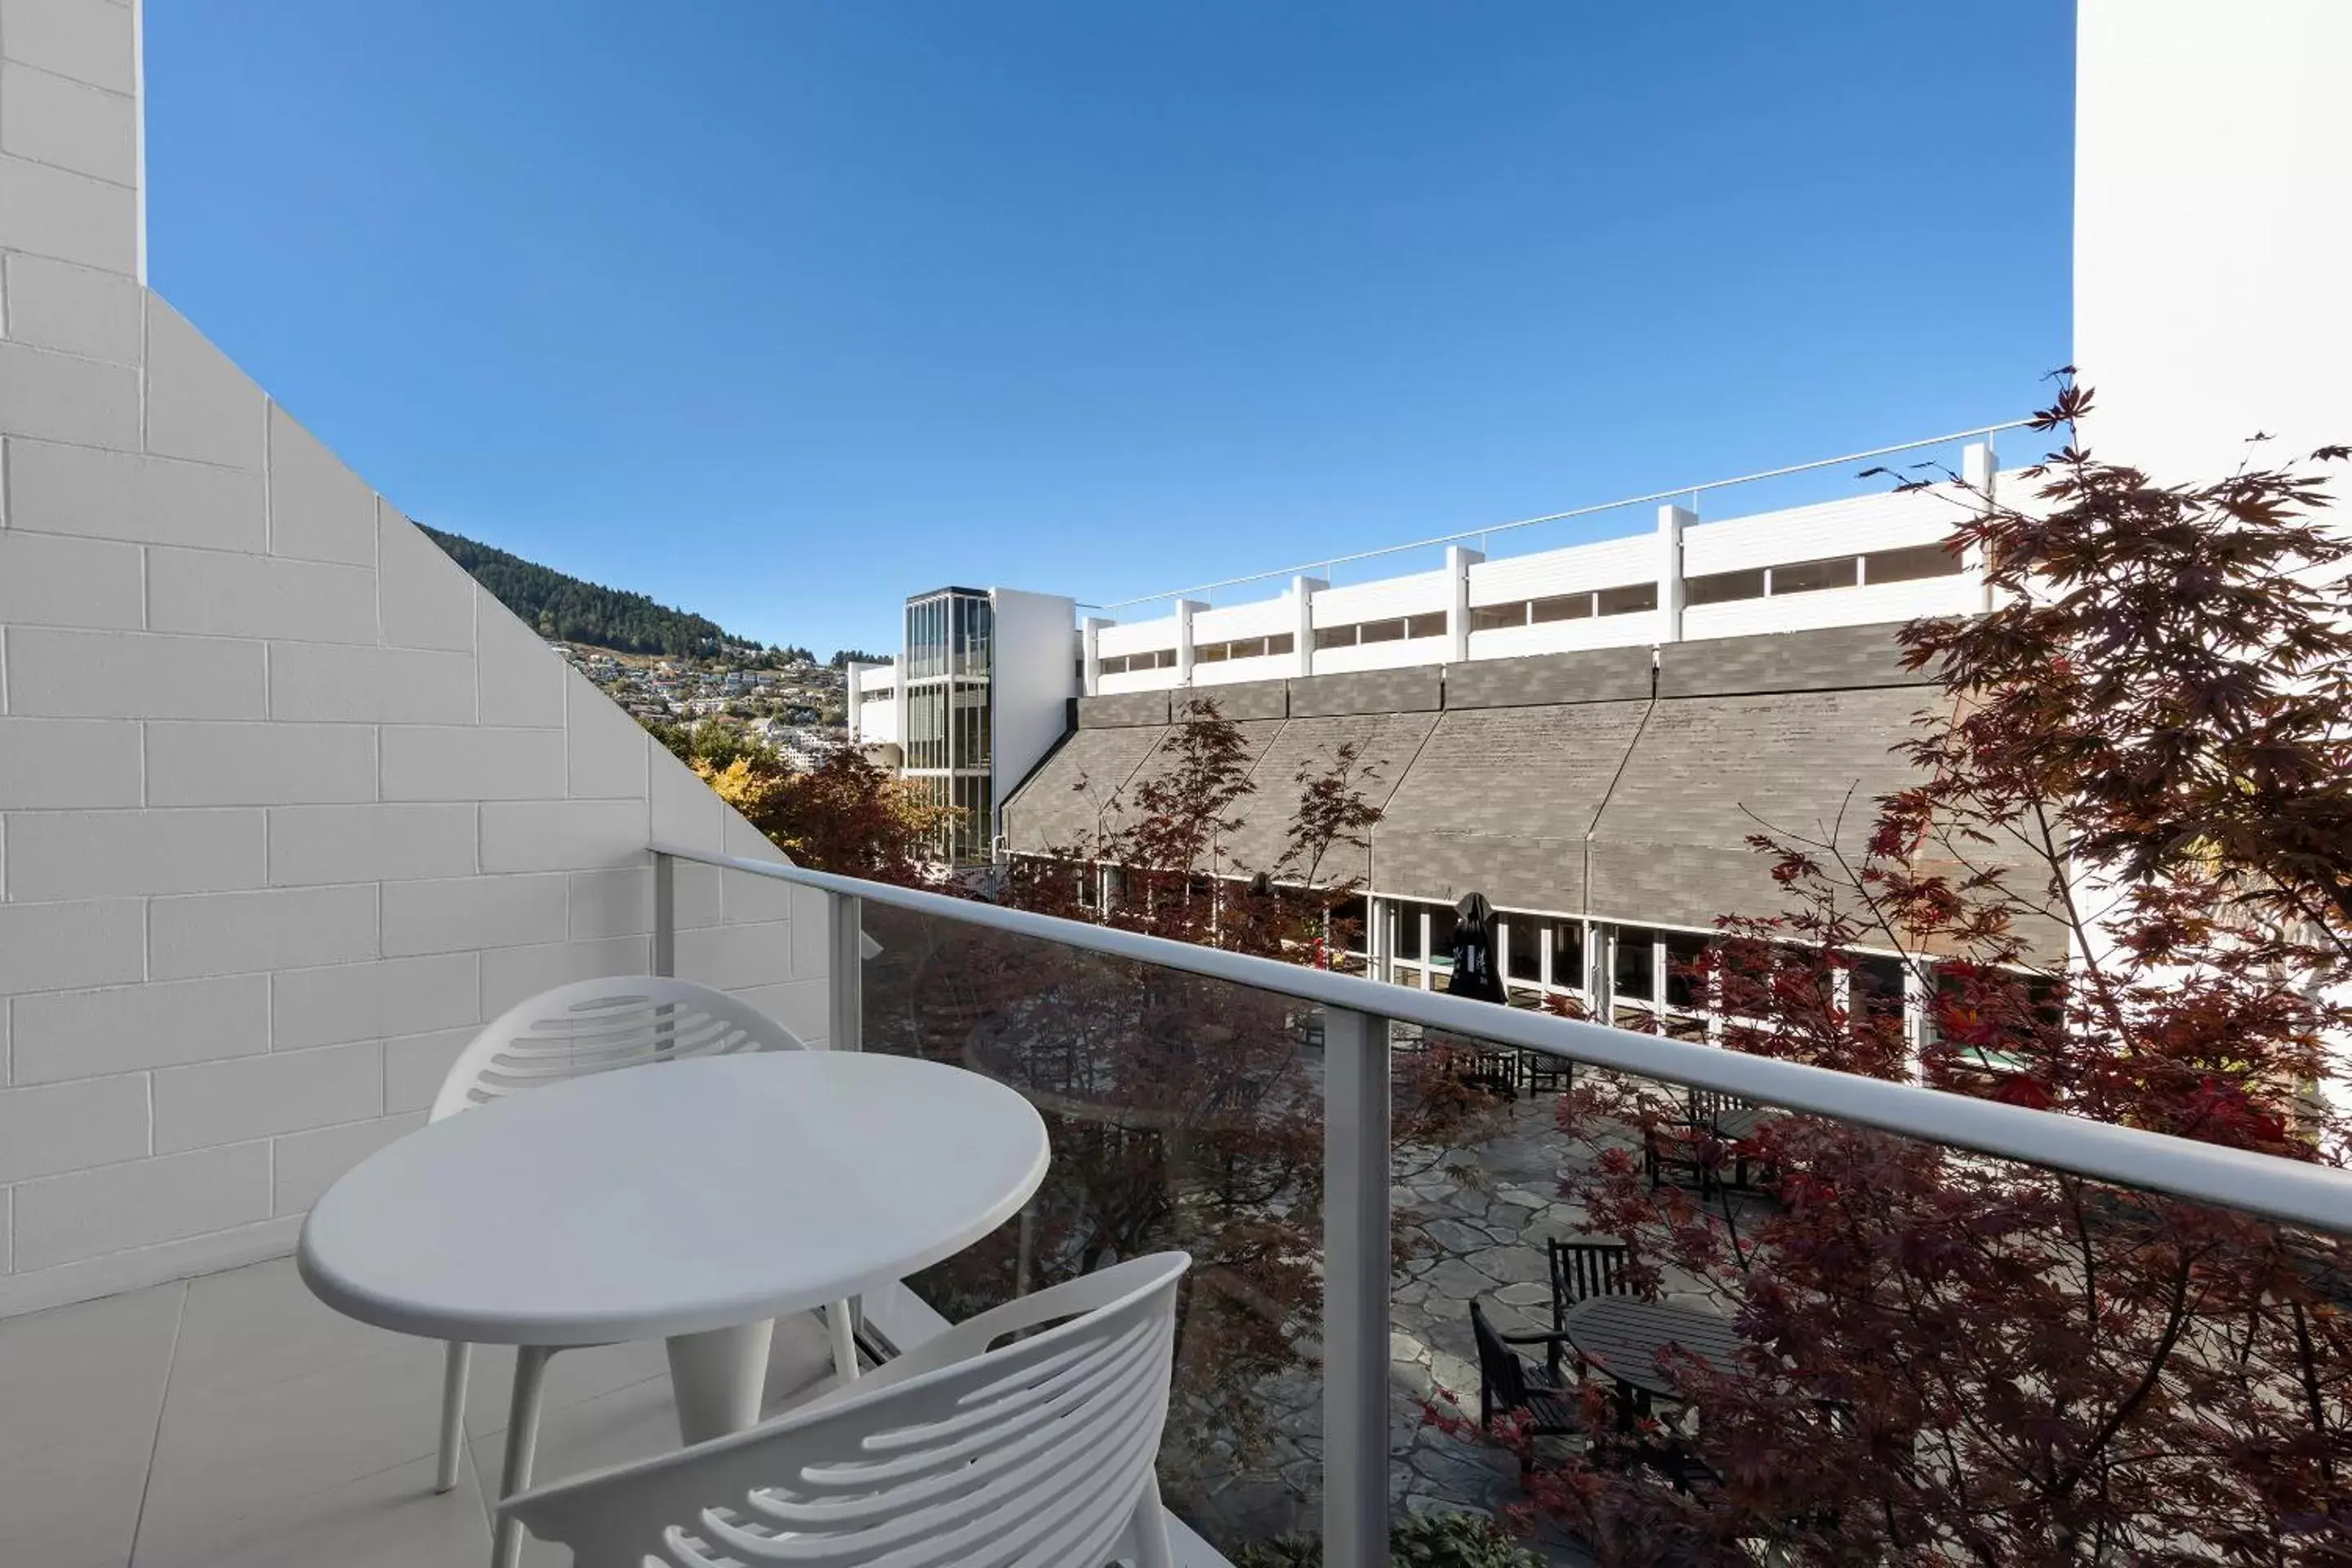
(571, 610)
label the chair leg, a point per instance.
(522, 1446)
(453, 1413)
(842, 1325)
(1148, 1530)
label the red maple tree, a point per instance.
(2124, 885)
(1183, 1111)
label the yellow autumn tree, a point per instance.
(844, 814)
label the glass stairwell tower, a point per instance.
(949, 731)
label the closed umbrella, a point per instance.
(1475, 975)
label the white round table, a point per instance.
(691, 1201)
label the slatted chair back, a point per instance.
(1582, 1270)
(599, 1025)
(1502, 1376)
(1037, 1451)
(1709, 1106)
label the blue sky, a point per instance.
(782, 311)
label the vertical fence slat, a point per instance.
(1355, 1288)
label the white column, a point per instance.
(1458, 562)
(1919, 1022)
(1672, 521)
(1091, 632)
(1978, 466)
(852, 679)
(1184, 612)
(1302, 598)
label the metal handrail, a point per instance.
(2285, 1190)
(1328, 561)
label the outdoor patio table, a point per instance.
(691, 1201)
(1622, 1335)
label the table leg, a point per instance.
(717, 1379)
(454, 1361)
(841, 1323)
(522, 1446)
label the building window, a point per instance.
(1164, 658)
(1209, 653)
(1381, 631)
(926, 639)
(971, 726)
(927, 726)
(968, 829)
(1495, 617)
(1875, 988)
(974, 632)
(1685, 989)
(1335, 636)
(1441, 922)
(1425, 625)
(1910, 565)
(1722, 587)
(1632, 974)
(1568, 955)
(1527, 945)
(1349, 926)
(1405, 922)
(1561, 608)
(1629, 599)
(1810, 577)
(1286, 642)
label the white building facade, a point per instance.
(1862, 561)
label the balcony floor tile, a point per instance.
(234, 1419)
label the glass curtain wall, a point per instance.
(950, 645)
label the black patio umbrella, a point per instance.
(1474, 973)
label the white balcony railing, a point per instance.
(1355, 1076)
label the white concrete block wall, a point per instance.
(1852, 526)
(1419, 593)
(1257, 618)
(1396, 654)
(288, 806)
(1858, 606)
(1234, 672)
(1137, 636)
(1639, 629)
(2190, 111)
(1572, 569)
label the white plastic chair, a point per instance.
(1038, 1452)
(596, 1025)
